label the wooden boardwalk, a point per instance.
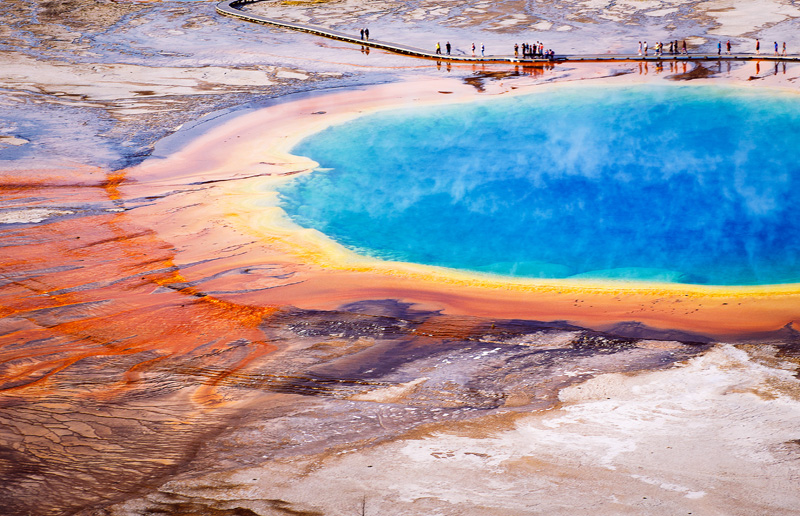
(230, 8)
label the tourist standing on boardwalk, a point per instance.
(640, 48)
(784, 48)
(719, 48)
(362, 34)
(728, 47)
(447, 47)
(758, 47)
(516, 49)
(776, 48)
(438, 48)
(473, 50)
(645, 49)
(484, 48)
(684, 47)
(366, 34)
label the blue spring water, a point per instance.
(680, 184)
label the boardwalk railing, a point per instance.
(231, 8)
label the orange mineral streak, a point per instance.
(245, 157)
(111, 185)
(76, 175)
(95, 288)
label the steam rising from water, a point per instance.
(678, 184)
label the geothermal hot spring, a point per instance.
(683, 184)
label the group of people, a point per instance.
(537, 49)
(528, 50)
(365, 34)
(658, 50)
(758, 48)
(448, 48)
(675, 48)
(533, 51)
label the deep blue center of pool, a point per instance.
(679, 184)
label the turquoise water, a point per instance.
(678, 184)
